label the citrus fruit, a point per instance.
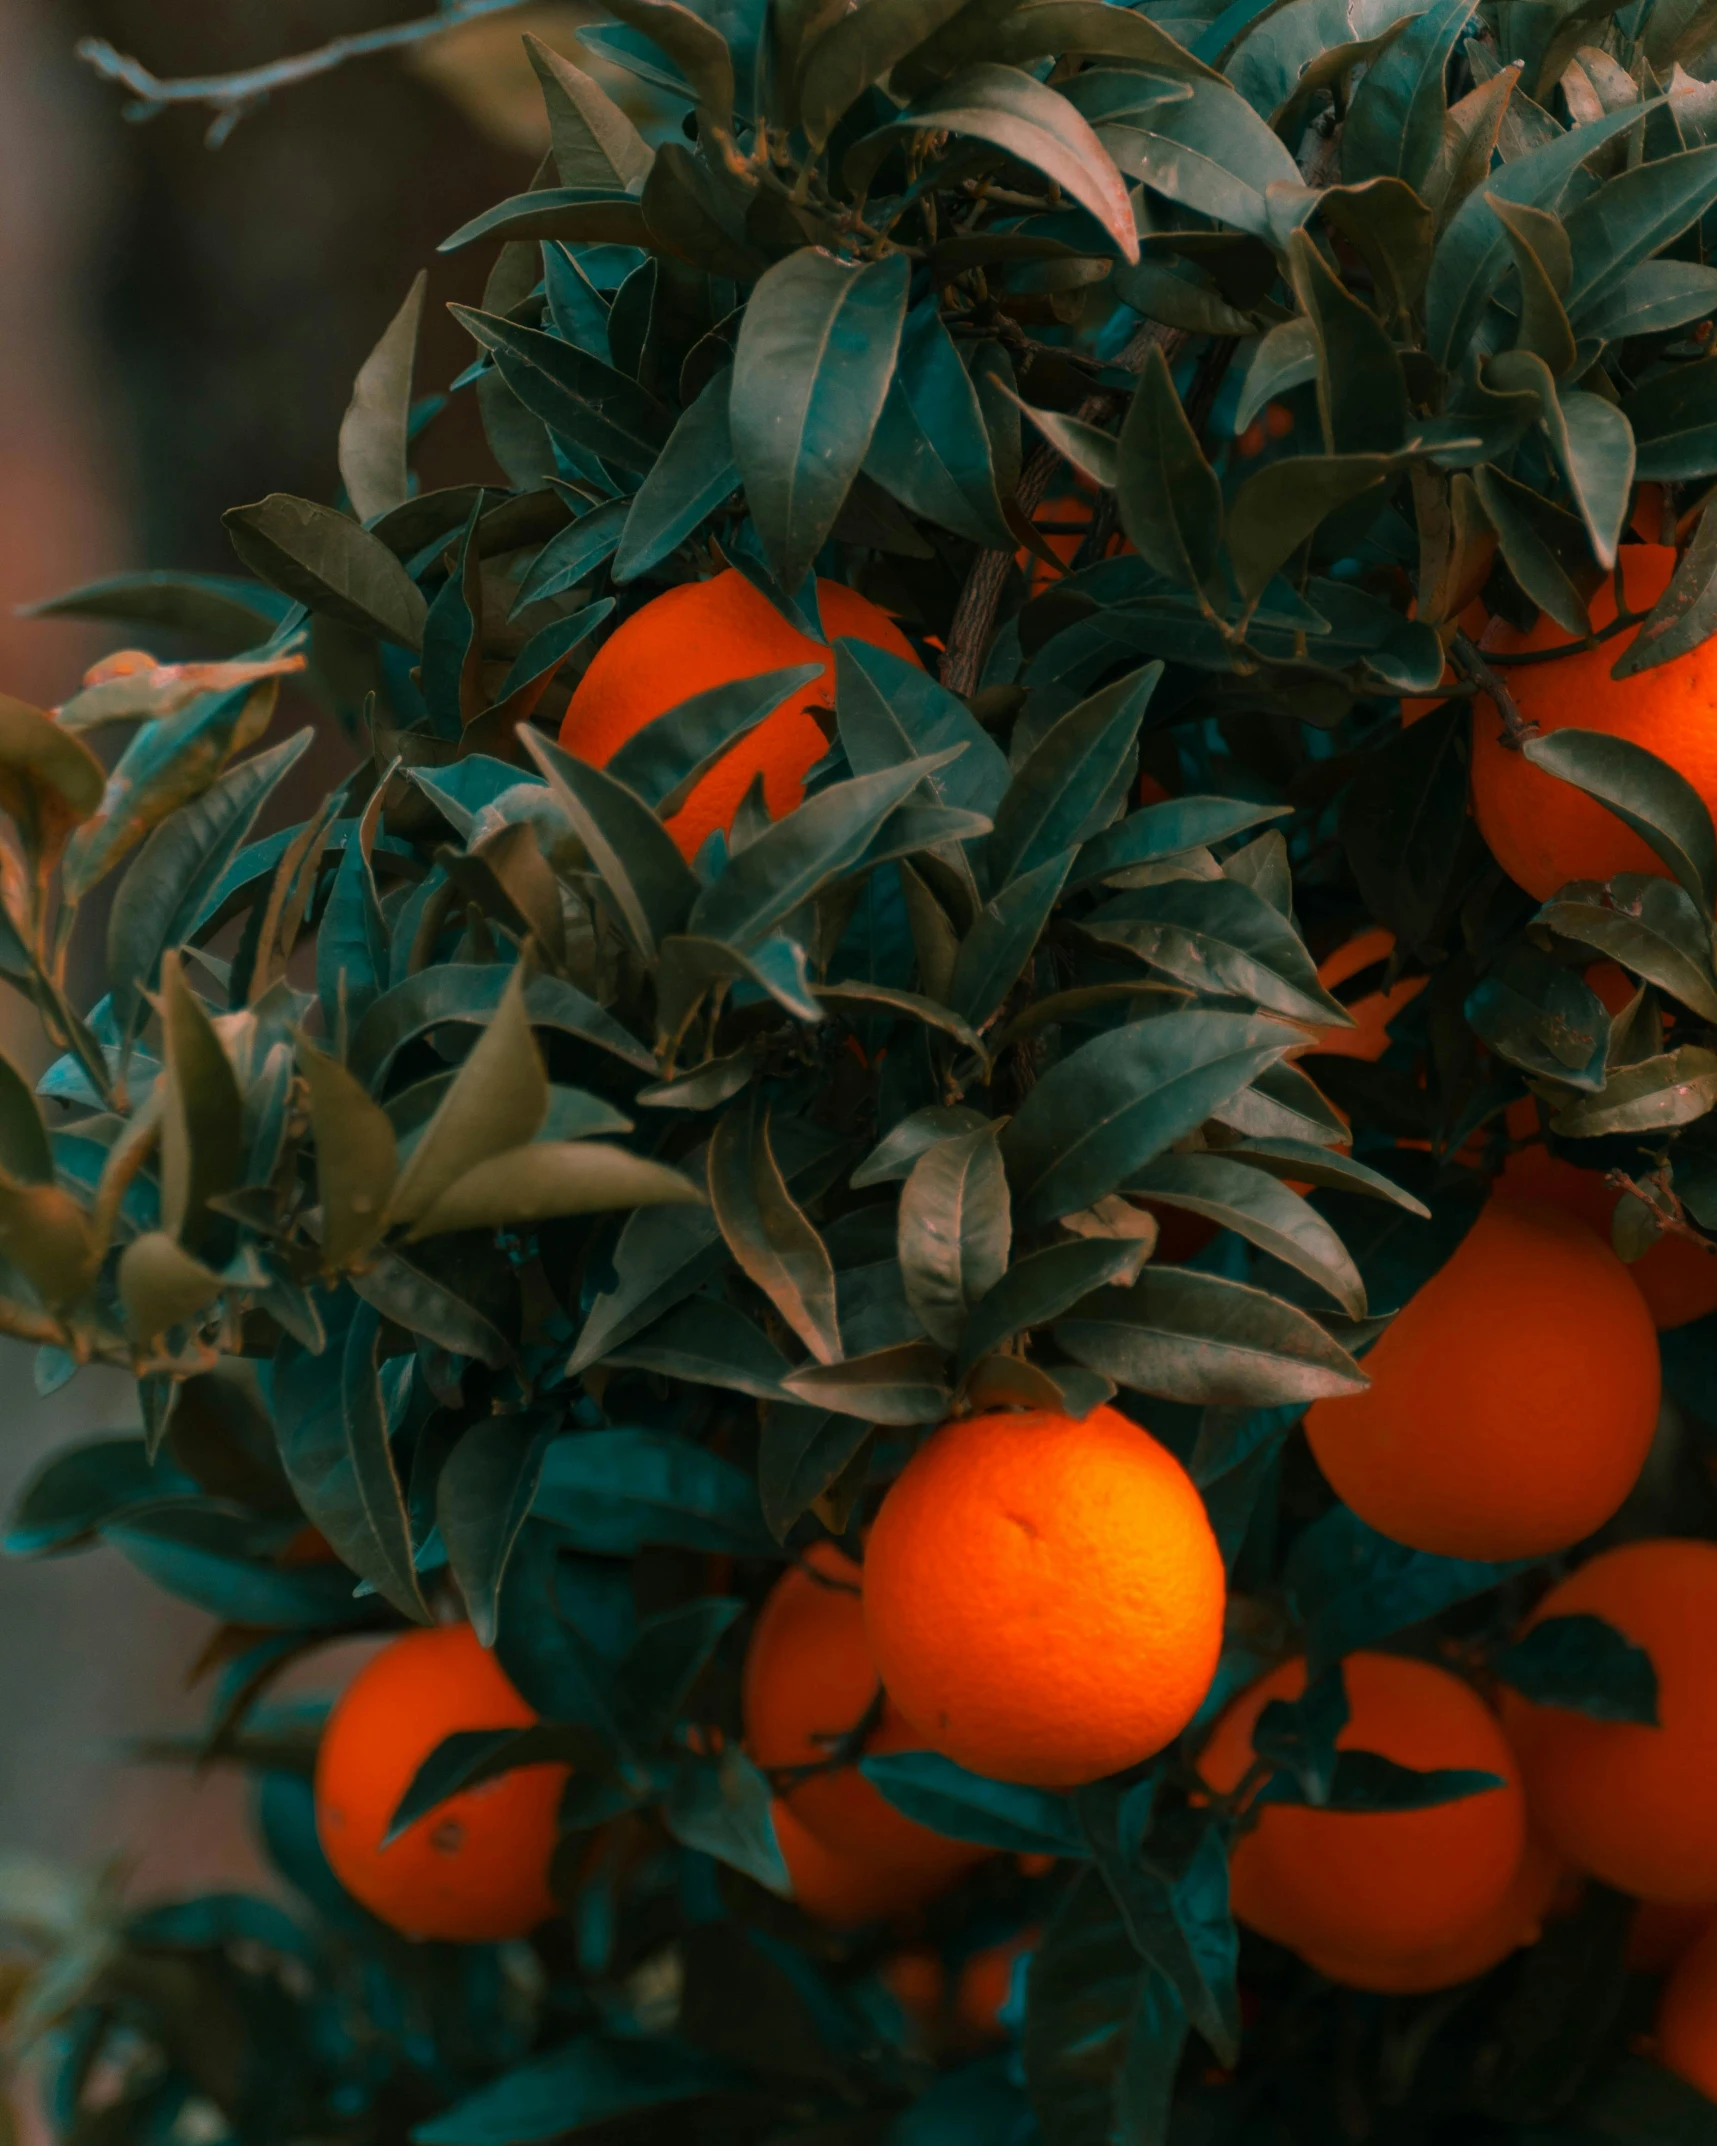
(1373, 1012)
(1512, 1400)
(1662, 1930)
(1377, 1886)
(704, 634)
(1543, 831)
(1516, 1920)
(1676, 1277)
(809, 1681)
(1629, 1803)
(918, 1982)
(846, 1890)
(1044, 1595)
(986, 1983)
(1687, 2017)
(475, 1868)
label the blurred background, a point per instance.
(180, 333)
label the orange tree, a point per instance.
(793, 998)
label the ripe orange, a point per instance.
(1631, 1804)
(701, 635)
(1044, 1596)
(1369, 1037)
(1378, 1887)
(809, 1680)
(1676, 1277)
(845, 1890)
(918, 1982)
(986, 1983)
(1512, 1400)
(1516, 1920)
(1542, 831)
(1662, 1930)
(476, 1867)
(1687, 2017)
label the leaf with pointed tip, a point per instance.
(1168, 830)
(1039, 1288)
(375, 429)
(812, 366)
(611, 1492)
(1582, 1664)
(1094, 453)
(1262, 1210)
(421, 1304)
(802, 1453)
(1301, 1161)
(356, 1158)
(1683, 618)
(1394, 125)
(1067, 778)
(1650, 926)
(1362, 389)
(637, 860)
(1674, 420)
(1170, 499)
(579, 215)
(889, 711)
(549, 1178)
(1536, 538)
(482, 1497)
(1280, 506)
(1003, 938)
(954, 1231)
(594, 143)
(574, 555)
(326, 562)
(575, 394)
(904, 1384)
(708, 1343)
(1632, 217)
(1652, 1096)
(1645, 793)
(695, 46)
(690, 478)
(931, 447)
(1222, 938)
(664, 760)
(857, 49)
(769, 1233)
(468, 993)
(944, 1796)
(1190, 1336)
(1211, 152)
(497, 1099)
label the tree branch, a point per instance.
(231, 96)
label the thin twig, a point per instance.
(1618, 624)
(1515, 728)
(231, 96)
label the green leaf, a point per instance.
(1170, 499)
(334, 1442)
(1300, 1160)
(1645, 793)
(1218, 936)
(482, 1496)
(600, 216)
(202, 1129)
(722, 1808)
(664, 760)
(574, 555)
(691, 477)
(594, 143)
(1542, 1017)
(931, 447)
(802, 1453)
(203, 1555)
(226, 612)
(1065, 783)
(904, 1384)
(1362, 389)
(784, 867)
(812, 366)
(470, 1757)
(892, 1158)
(583, 2083)
(664, 1254)
(160, 1284)
(468, 993)
(68, 1497)
(1682, 619)
(1168, 830)
(768, 1232)
(1674, 421)
(1281, 505)
(586, 402)
(1538, 542)
(1117, 1102)
(326, 562)
(1025, 119)
(1255, 1206)
(856, 50)
(1647, 924)
(1583, 1664)
(955, 1230)
(695, 46)
(1176, 1908)
(890, 711)
(1394, 125)
(708, 1343)
(1631, 217)
(544, 1179)
(1648, 1097)
(1367, 1781)
(1472, 254)
(374, 432)
(1003, 938)
(1189, 1336)
(1039, 1288)
(356, 1159)
(1353, 1587)
(637, 860)
(860, 999)
(422, 1305)
(612, 1492)
(970, 1807)
(1210, 152)
(1094, 453)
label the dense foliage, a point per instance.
(559, 1227)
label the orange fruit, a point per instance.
(474, 1869)
(845, 1890)
(1044, 1596)
(1512, 1400)
(1369, 1037)
(1662, 1930)
(1377, 1886)
(1676, 1277)
(1542, 831)
(985, 1984)
(1687, 2017)
(1516, 1920)
(1628, 1803)
(701, 635)
(918, 1982)
(810, 1680)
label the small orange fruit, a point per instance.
(809, 1681)
(918, 1982)
(1372, 1014)
(986, 1983)
(1044, 1595)
(1687, 2017)
(1542, 831)
(1512, 1401)
(1516, 1920)
(1628, 1803)
(475, 1868)
(704, 634)
(1377, 1887)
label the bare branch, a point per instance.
(231, 96)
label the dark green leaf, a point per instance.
(1261, 1210)
(1279, 507)
(374, 434)
(1631, 217)
(652, 886)
(955, 1231)
(889, 711)
(1651, 1096)
(575, 394)
(1581, 1663)
(802, 1453)
(1353, 1587)
(858, 49)
(1003, 938)
(691, 477)
(662, 761)
(1645, 793)
(1674, 421)
(594, 143)
(1218, 936)
(1301, 1160)
(1394, 125)
(326, 562)
(577, 214)
(769, 1233)
(1042, 1286)
(723, 1808)
(583, 2083)
(1683, 618)
(931, 448)
(971, 1807)
(1539, 540)
(482, 1497)
(903, 1384)
(227, 613)
(1170, 498)
(468, 993)
(1647, 924)
(1367, 1781)
(1362, 390)
(1168, 830)
(611, 1492)
(1066, 781)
